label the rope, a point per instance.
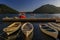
(2, 37)
(18, 33)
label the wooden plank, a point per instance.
(32, 19)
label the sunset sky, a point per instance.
(28, 5)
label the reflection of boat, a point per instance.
(12, 28)
(27, 29)
(48, 30)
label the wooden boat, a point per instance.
(7, 18)
(16, 18)
(12, 28)
(56, 26)
(10, 18)
(27, 28)
(48, 30)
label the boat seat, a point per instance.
(15, 26)
(56, 25)
(27, 28)
(45, 27)
(50, 30)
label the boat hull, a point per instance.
(12, 28)
(52, 34)
(56, 26)
(26, 30)
(29, 37)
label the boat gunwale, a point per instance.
(57, 28)
(29, 30)
(10, 26)
(48, 33)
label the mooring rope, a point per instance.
(2, 37)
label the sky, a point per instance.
(28, 5)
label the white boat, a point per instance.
(48, 30)
(12, 28)
(11, 18)
(56, 26)
(7, 18)
(27, 29)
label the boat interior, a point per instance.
(56, 25)
(47, 28)
(11, 28)
(51, 30)
(28, 27)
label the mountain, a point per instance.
(48, 9)
(6, 9)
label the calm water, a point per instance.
(37, 34)
(32, 15)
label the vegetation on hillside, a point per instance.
(6, 9)
(48, 9)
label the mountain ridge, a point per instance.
(48, 9)
(6, 9)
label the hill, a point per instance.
(48, 9)
(6, 9)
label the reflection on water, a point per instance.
(28, 15)
(36, 15)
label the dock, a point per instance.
(31, 20)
